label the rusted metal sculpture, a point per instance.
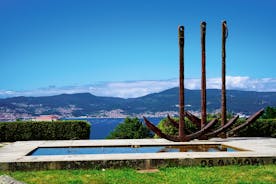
(223, 72)
(181, 135)
(181, 82)
(204, 132)
(200, 123)
(203, 75)
(224, 123)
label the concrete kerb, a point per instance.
(260, 151)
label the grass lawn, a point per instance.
(225, 174)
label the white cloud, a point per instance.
(131, 89)
(236, 82)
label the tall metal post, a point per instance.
(181, 83)
(203, 74)
(223, 90)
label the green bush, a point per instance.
(269, 113)
(260, 128)
(52, 130)
(166, 127)
(131, 128)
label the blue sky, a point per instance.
(64, 45)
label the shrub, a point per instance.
(166, 127)
(260, 128)
(269, 113)
(52, 130)
(131, 128)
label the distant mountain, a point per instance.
(245, 102)
(86, 104)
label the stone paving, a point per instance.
(259, 151)
(4, 179)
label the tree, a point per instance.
(269, 113)
(167, 128)
(131, 128)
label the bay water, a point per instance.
(101, 127)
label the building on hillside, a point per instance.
(46, 118)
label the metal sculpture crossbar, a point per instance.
(205, 131)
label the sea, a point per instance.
(101, 127)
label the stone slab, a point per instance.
(5, 179)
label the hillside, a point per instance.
(86, 104)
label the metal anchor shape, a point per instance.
(204, 132)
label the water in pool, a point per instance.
(129, 149)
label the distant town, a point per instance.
(117, 113)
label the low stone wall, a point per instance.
(137, 164)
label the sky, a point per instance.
(129, 48)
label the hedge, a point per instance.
(50, 130)
(260, 128)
